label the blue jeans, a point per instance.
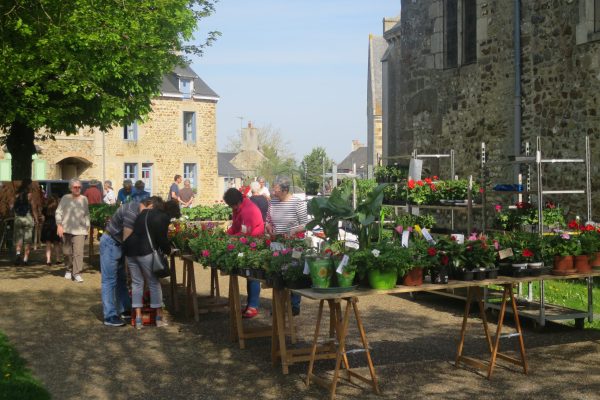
(253, 289)
(296, 300)
(115, 296)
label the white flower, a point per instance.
(375, 252)
(240, 254)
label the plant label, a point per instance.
(505, 253)
(306, 268)
(351, 244)
(296, 254)
(342, 265)
(405, 236)
(276, 246)
(459, 237)
(427, 235)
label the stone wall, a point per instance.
(436, 109)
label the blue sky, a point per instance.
(298, 65)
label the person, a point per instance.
(139, 194)
(125, 193)
(92, 193)
(72, 226)
(286, 215)
(174, 190)
(109, 193)
(49, 235)
(264, 191)
(115, 295)
(247, 220)
(139, 256)
(23, 224)
(186, 195)
(260, 200)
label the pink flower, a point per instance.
(243, 240)
(473, 236)
(205, 253)
(565, 236)
(410, 229)
(399, 229)
(275, 254)
(498, 208)
(496, 245)
(230, 247)
(286, 251)
(253, 245)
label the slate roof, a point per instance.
(224, 165)
(358, 156)
(170, 83)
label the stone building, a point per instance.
(229, 176)
(457, 75)
(177, 137)
(249, 157)
(357, 157)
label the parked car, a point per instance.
(61, 187)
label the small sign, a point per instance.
(459, 237)
(427, 235)
(296, 254)
(276, 246)
(352, 245)
(306, 268)
(405, 236)
(342, 265)
(505, 253)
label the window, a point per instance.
(189, 126)
(469, 31)
(130, 132)
(185, 87)
(190, 172)
(130, 171)
(460, 32)
(451, 30)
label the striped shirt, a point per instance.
(286, 215)
(124, 217)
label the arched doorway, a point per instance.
(72, 167)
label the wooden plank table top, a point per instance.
(428, 287)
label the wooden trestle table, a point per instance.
(339, 321)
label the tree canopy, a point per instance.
(313, 165)
(70, 64)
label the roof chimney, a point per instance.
(389, 22)
(356, 144)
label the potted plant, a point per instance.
(480, 256)
(590, 245)
(383, 268)
(417, 260)
(563, 247)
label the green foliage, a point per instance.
(363, 187)
(327, 212)
(312, 165)
(563, 245)
(100, 214)
(423, 220)
(95, 63)
(390, 173)
(216, 212)
(367, 212)
(16, 382)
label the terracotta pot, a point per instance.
(414, 277)
(563, 263)
(595, 261)
(582, 264)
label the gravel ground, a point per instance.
(56, 326)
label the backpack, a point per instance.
(21, 206)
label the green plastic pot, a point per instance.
(345, 279)
(321, 270)
(383, 280)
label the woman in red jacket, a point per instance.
(247, 220)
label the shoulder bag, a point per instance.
(160, 264)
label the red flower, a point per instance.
(527, 253)
(411, 184)
(328, 251)
(420, 183)
(573, 224)
(428, 181)
(268, 242)
(243, 240)
(480, 190)
(230, 247)
(444, 260)
(435, 178)
(300, 235)
(432, 251)
(432, 187)
(589, 228)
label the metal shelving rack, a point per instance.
(540, 311)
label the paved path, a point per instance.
(56, 325)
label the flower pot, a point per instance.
(535, 265)
(466, 275)
(479, 275)
(321, 270)
(563, 265)
(595, 261)
(414, 277)
(491, 274)
(439, 275)
(383, 280)
(345, 279)
(519, 265)
(582, 264)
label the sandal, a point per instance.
(250, 312)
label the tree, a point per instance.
(96, 63)
(313, 165)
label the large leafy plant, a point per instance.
(366, 215)
(327, 212)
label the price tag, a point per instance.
(427, 235)
(306, 268)
(352, 245)
(405, 236)
(342, 265)
(276, 246)
(505, 253)
(459, 237)
(296, 254)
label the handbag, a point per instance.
(160, 264)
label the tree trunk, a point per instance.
(20, 145)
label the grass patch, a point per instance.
(16, 382)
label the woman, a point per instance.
(72, 226)
(139, 257)
(286, 216)
(109, 193)
(49, 235)
(23, 227)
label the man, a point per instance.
(73, 225)
(247, 220)
(93, 194)
(174, 190)
(139, 194)
(125, 193)
(115, 295)
(186, 195)
(264, 191)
